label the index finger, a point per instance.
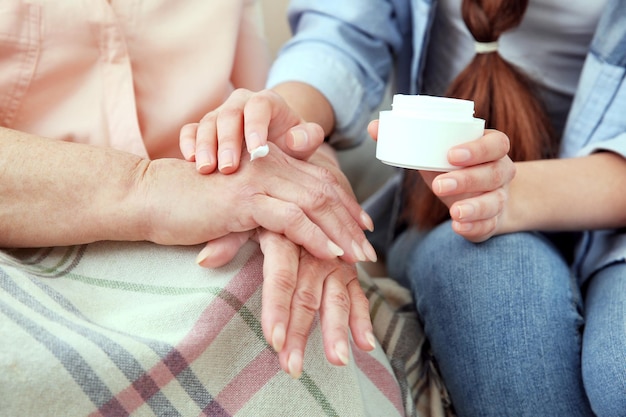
(268, 117)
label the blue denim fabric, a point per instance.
(504, 321)
(604, 341)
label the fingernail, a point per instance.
(341, 350)
(459, 155)
(462, 227)
(300, 139)
(367, 221)
(334, 249)
(294, 364)
(188, 150)
(203, 255)
(226, 159)
(446, 185)
(369, 251)
(465, 210)
(358, 252)
(371, 339)
(204, 160)
(278, 337)
(253, 140)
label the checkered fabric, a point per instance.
(137, 329)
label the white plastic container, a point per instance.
(419, 130)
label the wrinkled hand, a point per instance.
(216, 141)
(282, 194)
(296, 287)
(476, 195)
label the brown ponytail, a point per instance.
(502, 95)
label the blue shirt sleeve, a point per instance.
(345, 49)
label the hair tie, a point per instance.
(486, 47)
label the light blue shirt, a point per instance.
(348, 50)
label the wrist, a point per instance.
(133, 212)
(309, 103)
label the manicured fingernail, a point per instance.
(367, 221)
(446, 185)
(203, 255)
(358, 252)
(226, 159)
(294, 364)
(300, 139)
(371, 339)
(459, 155)
(253, 140)
(278, 337)
(341, 350)
(369, 251)
(334, 249)
(204, 161)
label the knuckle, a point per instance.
(260, 98)
(267, 95)
(339, 299)
(293, 214)
(317, 198)
(501, 196)
(241, 93)
(209, 117)
(497, 176)
(283, 281)
(322, 196)
(230, 112)
(306, 299)
(326, 176)
(357, 295)
(467, 182)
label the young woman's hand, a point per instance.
(477, 194)
(256, 117)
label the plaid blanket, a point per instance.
(137, 329)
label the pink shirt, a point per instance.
(124, 73)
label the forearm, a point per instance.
(309, 103)
(567, 194)
(58, 193)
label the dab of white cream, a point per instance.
(259, 152)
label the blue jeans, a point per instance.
(505, 322)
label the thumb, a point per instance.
(218, 252)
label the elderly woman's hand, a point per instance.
(297, 286)
(282, 194)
